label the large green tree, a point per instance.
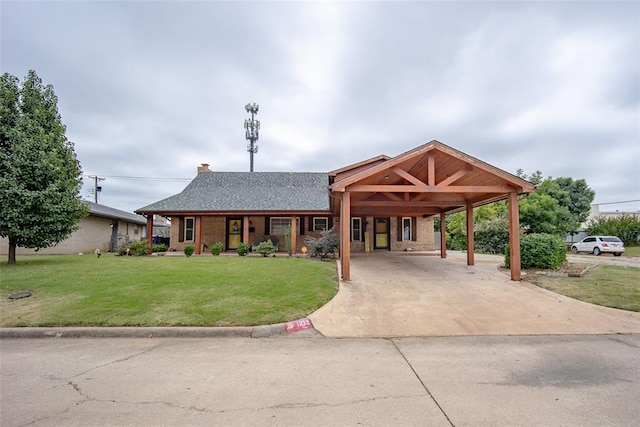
(540, 215)
(40, 176)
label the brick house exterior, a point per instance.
(379, 204)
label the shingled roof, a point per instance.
(112, 213)
(248, 192)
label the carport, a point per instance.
(431, 180)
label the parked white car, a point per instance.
(599, 244)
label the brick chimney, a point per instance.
(204, 167)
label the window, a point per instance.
(406, 229)
(189, 226)
(356, 229)
(135, 229)
(278, 225)
(320, 223)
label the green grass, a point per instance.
(162, 291)
(606, 285)
(631, 251)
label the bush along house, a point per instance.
(380, 204)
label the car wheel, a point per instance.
(574, 249)
(597, 251)
(617, 253)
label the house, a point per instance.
(105, 228)
(379, 204)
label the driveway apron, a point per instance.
(420, 294)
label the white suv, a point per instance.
(599, 244)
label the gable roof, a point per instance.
(226, 192)
(103, 211)
(432, 178)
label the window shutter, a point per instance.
(363, 227)
(330, 223)
(399, 229)
(414, 229)
(302, 220)
(181, 229)
(267, 225)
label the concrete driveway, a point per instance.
(420, 294)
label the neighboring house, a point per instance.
(104, 228)
(380, 204)
(597, 213)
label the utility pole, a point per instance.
(96, 187)
(252, 128)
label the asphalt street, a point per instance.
(559, 380)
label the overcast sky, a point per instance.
(151, 89)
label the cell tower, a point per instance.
(252, 128)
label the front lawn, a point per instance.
(162, 291)
(607, 285)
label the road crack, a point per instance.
(422, 383)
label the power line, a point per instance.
(616, 203)
(143, 178)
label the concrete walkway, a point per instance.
(420, 294)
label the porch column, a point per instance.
(443, 235)
(294, 231)
(245, 230)
(345, 242)
(198, 237)
(150, 233)
(514, 237)
(470, 241)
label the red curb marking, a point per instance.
(298, 325)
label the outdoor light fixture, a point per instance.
(252, 131)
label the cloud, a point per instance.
(152, 89)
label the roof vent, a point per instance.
(204, 167)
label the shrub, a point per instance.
(216, 248)
(492, 236)
(324, 245)
(242, 249)
(540, 251)
(160, 247)
(138, 248)
(265, 248)
(188, 250)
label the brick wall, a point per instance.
(93, 233)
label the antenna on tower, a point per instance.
(252, 128)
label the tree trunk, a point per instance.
(12, 250)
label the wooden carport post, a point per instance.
(443, 235)
(150, 233)
(514, 236)
(345, 241)
(470, 241)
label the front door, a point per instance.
(381, 233)
(234, 233)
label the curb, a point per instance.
(264, 331)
